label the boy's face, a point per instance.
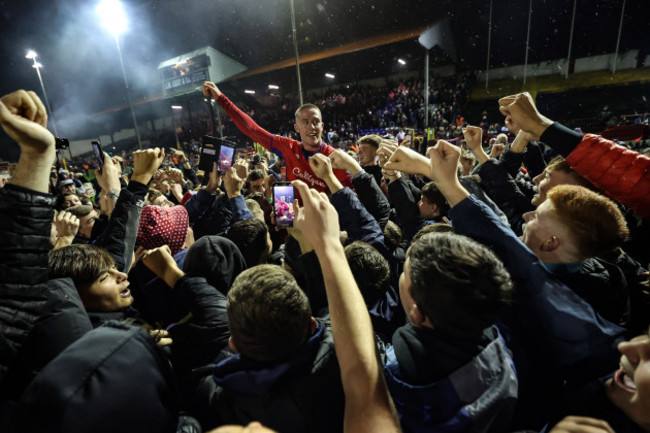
(629, 389)
(310, 127)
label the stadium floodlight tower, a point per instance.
(113, 17)
(31, 54)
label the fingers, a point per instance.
(508, 100)
(303, 189)
(40, 116)
(582, 424)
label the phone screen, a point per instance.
(283, 196)
(99, 155)
(226, 155)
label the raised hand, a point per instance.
(67, 226)
(473, 137)
(24, 119)
(409, 161)
(175, 175)
(444, 158)
(317, 220)
(108, 177)
(210, 90)
(523, 114)
(214, 180)
(145, 164)
(344, 161)
(160, 262)
(233, 182)
(497, 150)
(321, 166)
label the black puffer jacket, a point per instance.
(113, 379)
(38, 318)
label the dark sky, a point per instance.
(81, 67)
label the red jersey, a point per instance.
(289, 149)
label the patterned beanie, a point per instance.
(163, 226)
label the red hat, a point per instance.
(163, 226)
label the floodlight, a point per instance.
(113, 17)
(37, 65)
(177, 107)
(273, 86)
(329, 75)
(401, 62)
(250, 92)
(31, 54)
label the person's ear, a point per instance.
(295, 127)
(231, 345)
(550, 244)
(416, 316)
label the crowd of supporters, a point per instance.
(494, 279)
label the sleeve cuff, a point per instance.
(561, 139)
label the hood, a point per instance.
(478, 396)
(216, 259)
(112, 379)
(247, 376)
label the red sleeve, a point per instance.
(245, 124)
(621, 173)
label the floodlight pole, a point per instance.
(618, 41)
(295, 49)
(426, 95)
(530, 14)
(32, 55)
(568, 56)
(487, 66)
(128, 91)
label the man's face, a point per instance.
(629, 389)
(257, 186)
(310, 127)
(426, 209)
(540, 225)
(467, 165)
(109, 292)
(86, 224)
(71, 200)
(367, 154)
(547, 180)
(68, 188)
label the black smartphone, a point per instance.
(99, 154)
(283, 195)
(226, 156)
(209, 153)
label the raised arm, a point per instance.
(120, 234)
(571, 328)
(241, 120)
(365, 185)
(368, 406)
(26, 212)
(623, 174)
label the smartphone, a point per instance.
(283, 196)
(208, 153)
(226, 156)
(99, 154)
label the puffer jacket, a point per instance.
(621, 173)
